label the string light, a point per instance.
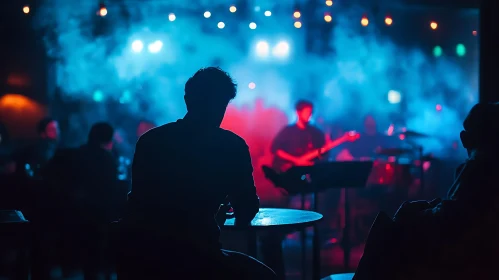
(433, 25)
(328, 18)
(297, 24)
(297, 14)
(364, 21)
(26, 9)
(232, 9)
(329, 3)
(388, 20)
(102, 10)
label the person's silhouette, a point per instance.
(182, 173)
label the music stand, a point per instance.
(335, 175)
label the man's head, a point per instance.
(304, 111)
(101, 135)
(208, 93)
(481, 129)
(48, 128)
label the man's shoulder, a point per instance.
(154, 133)
(232, 137)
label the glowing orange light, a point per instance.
(18, 102)
(297, 24)
(364, 21)
(329, 3)
(103, 12)
(388, 21)
(474, 32)
(26, 9)
(297, 14)
(328, 18)
(433, 25)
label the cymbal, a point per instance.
(414, 134)
(393, 152)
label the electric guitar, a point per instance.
(350, 136)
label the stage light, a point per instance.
(394, 97)
(474, 32)
(329, 3)
(297, 14)
(172, 17)
(388, 21)
(364, 21)
(281, 50)
(437, 51)
(252, 85)
(207, 14)
(297, 24)
(267, 13)
(26, 9)
(221, 25)
(460, 50)
(328, 18)
(155, 47)
(103, 12)
(232, 9)
(262, 49)
(137, 46)
(252, 25)
(98, 96)
(433, 25)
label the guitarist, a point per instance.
(297, 139)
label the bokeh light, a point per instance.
(137, 46)
(252, 25)
(474, 33)
(297, 24)
(438, 107)
(437, 51)
(267, 13)
(155, 47)
(281, 50)
(251, 85)
(364, 21)
(26, 9)
(262, 49)
(328, 18)
(232, 9)
(207, 14)
(221, 25)
(460, 50)
(297, 14)
(394, 97)
(103, 11)
(388, 21)
(172, 17)
(329, 3)
(433, 25)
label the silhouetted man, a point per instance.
(182, 172)
(454, 238)
(82, 185)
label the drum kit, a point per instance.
(397, 167)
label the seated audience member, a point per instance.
(82, 184)
(455, 238)
(182, 173)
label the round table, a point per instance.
(285, 220)
(279, 218)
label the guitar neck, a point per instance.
(326, 148)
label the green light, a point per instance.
(98, 96)
(461, 50)
(437, 51)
